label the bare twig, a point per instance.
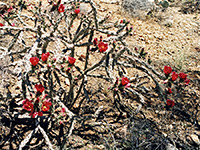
(48, 142)
(17, 28)
(69, 113)
(28, 137)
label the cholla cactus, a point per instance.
(64, 54)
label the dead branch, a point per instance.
(28, 137)
(48, 142)
(69, 113)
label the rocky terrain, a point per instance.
(169, 36)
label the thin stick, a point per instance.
(48, 142)
(28, 137)
(69, 113)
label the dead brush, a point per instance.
(44, 40)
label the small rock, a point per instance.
(160, 112)
(197, 49)
(67, 82)
(110, 1)
(100, 147)
(170, 147)
(165, 134)
(168, 21)
(18, 84)
(138, 8)
(195, 139)
(124, 114)
(84, 8)
(80, 52)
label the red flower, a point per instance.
(125, 81)
(187, 81)
(49, 65)
(10, 9)
(34, 60)
(77, 11)
(60, 122)
(44, 96)
(68, 69)
(102, 46)
(61, 8)
(54, 59)
(167, 70)
(127, 85)
(46, 105)
(63, 110)
(45, 56)
(1, 24)
(169, 91)
(39, 88)
(95, 41)
(26, 101)
(39, 113)
(170, 103)
(45, 108)
(182, 75)
(174, 76)
(71, 60)
(121, 21)
(27, 105)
